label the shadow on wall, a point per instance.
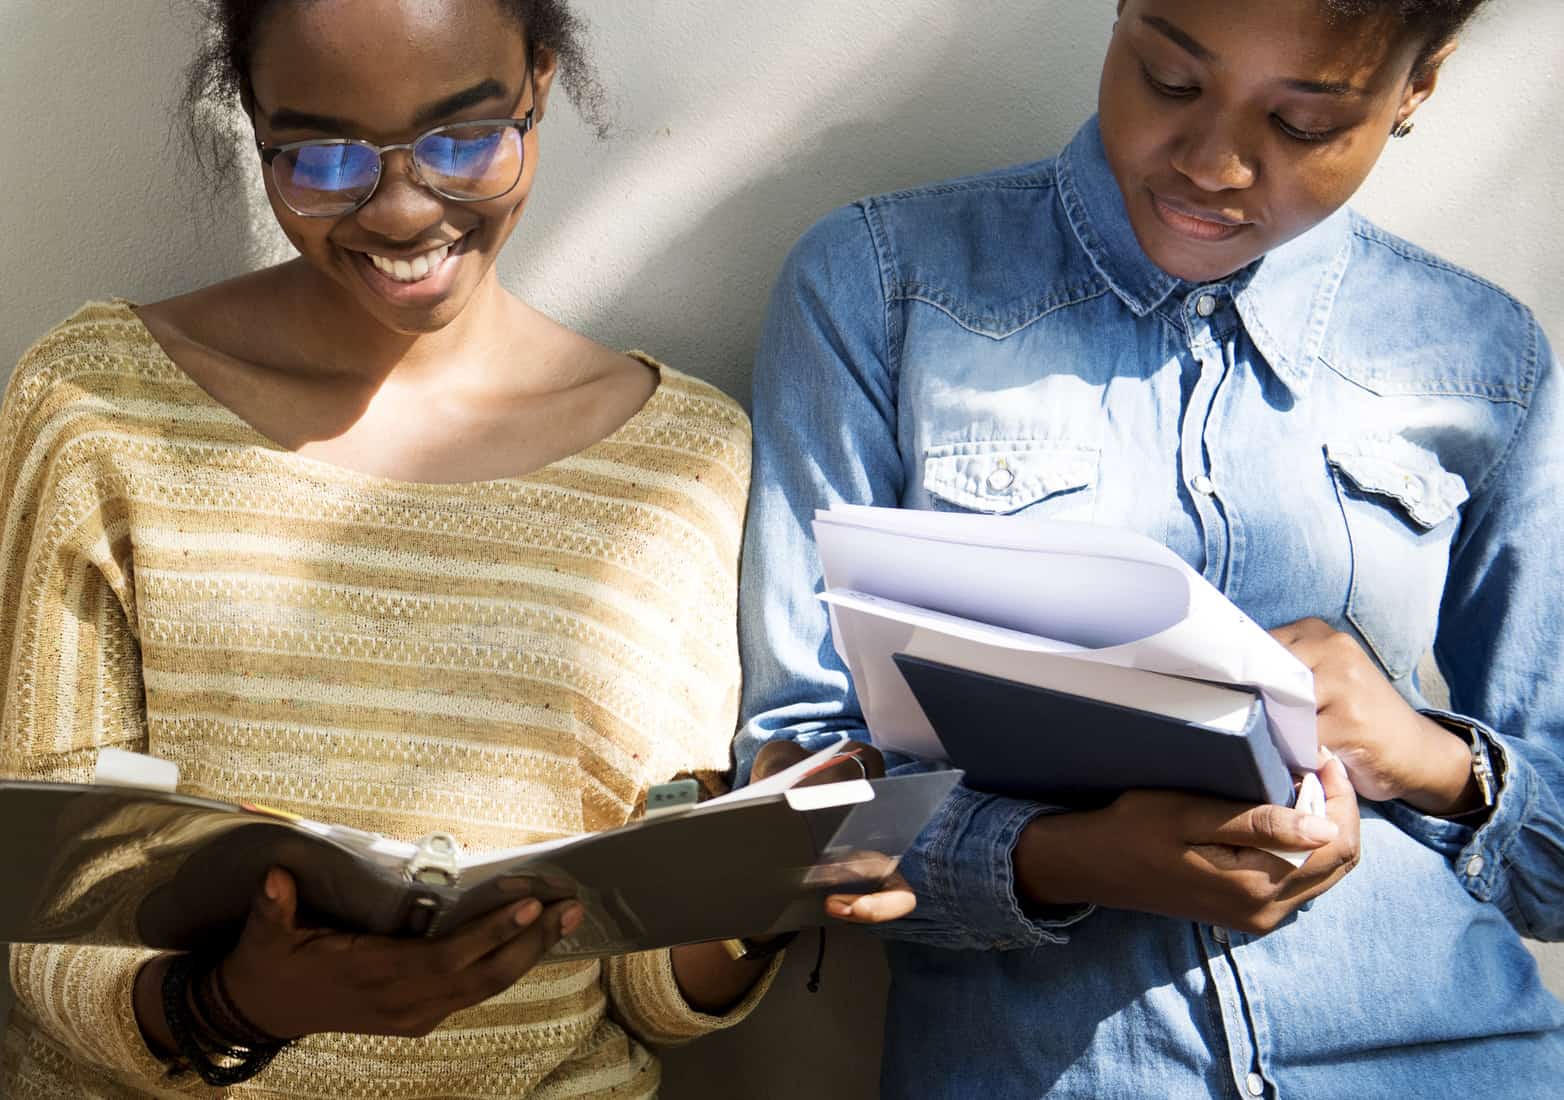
(673, 231)
(107, 203)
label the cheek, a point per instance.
(1321, 187)
(307, 235)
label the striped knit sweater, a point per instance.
(507, 661)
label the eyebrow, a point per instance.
(286, 118)
(1338, 88)
(1177, 37)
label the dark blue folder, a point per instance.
(1029, 742)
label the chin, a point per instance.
(1188, 263)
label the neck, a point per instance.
(339, 331)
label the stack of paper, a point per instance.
(1066, 606)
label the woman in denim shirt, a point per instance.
(1177, 327)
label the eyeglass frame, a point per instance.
(269, 154)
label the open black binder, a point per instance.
(123, 866)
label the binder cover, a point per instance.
(120, 866)
(1031, 742)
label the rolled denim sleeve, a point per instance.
(1498, 646)
(825, 419)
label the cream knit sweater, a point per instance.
(507, 661)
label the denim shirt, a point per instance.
(1349, 428)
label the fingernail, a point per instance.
(839, 907)
(527, 912)
(571, 920)
(1320, 829)
(273, 890)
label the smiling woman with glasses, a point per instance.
(366, 538)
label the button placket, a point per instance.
(1202, 489)
(1227, 987)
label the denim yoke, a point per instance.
(1350, 429)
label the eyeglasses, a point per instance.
(463, 162)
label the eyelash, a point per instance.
(1175, 91)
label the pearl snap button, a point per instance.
(1220, 935)
(1000, 480)
(1205, 305)
(1474, 866)
(1203, 485)
(1255, 1084)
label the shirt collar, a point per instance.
(1284, 298)
(1096, 211)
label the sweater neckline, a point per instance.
(261, 440)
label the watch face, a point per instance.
(759, 947)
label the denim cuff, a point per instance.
(1476, 853)
(963, 873)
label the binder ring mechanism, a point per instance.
(437, 862)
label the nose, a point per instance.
(1213, 155)
(402, 208)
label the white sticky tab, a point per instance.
(118, 768)
(846, 793)
(1311, 800)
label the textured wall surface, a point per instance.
(739, 123)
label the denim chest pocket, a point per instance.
(1401, 509)
(1005, 476)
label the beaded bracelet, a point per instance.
(216, 1059)
(223, 1018)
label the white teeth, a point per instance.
(411, 271)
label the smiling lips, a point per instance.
(1194, 223)
(414, 270)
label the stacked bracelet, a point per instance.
(214, 1038)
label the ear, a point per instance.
(545, 65)
(1425, 78)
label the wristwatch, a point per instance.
(744, 947)
(1482, 764)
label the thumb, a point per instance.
(1269, 826)
(277, 903)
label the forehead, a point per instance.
(1289, 39)
(379, 62)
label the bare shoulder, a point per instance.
(605, 386)
(226, 317)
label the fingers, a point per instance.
(1269, 826)
(893, 902)
(1304, 630)
(501, 969)
(1341, 807)
(485, 935)
(275, 908)
(775, 756)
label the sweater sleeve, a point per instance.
(72, 682)
(648, 1002)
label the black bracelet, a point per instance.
(215, 1059)
(223, 1017)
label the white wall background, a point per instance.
(740, 122)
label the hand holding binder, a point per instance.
(893, 898)
(122, 866)
(1190, 857)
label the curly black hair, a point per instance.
(217, 78)
(1435, 22)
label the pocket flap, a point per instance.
(1400, 470)
(1007, 476)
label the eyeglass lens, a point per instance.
(467, 163)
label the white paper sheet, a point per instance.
(1120, 597)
